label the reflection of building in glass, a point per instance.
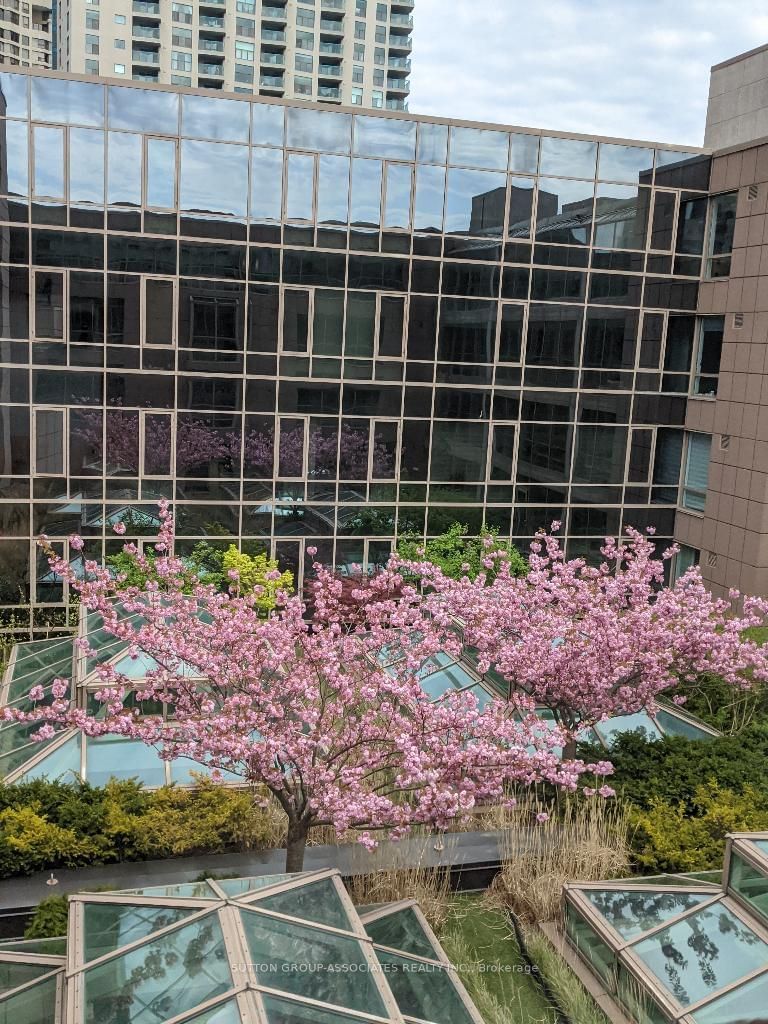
(381, 324)
(689, 948)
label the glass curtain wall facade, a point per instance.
(311, 327)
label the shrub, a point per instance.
(672, 768)
(669, 836)
(30, 842)
(49, 919)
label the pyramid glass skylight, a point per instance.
(688, 950)
(97, 759)
(281, 949)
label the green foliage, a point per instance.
(52, 824)
(252, 573)
(672, 768)
(452, 550)
(670, 836)
(49, 919)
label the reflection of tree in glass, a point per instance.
(701, 942)
(198, 444)
(171, 960)
(640, 911)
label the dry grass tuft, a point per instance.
(587, 840)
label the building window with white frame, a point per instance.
(685, 558)
(243, 50)
(357, 97)
(696, 473)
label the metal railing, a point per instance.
(146, 32)
(274, 35)
(210, 70)
(145, 57)
(272, 58)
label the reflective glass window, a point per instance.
(742, 1004)
(86, 166)
(690, 226)
(589, 945)
(467, 331)
(365, 203)
(564, 211)
(599, 454)
(429, 199)
(332, 190)
(378, 136)
(423, 991)
(433, 143)
(722, 222)
(266, 184)
(625, 163)
(328, 324)
(204, 166)
(572, 158)
(108, 926)
(524, 153)
(295, 320)
(189, 967)
(397, 208)
(475, 202)
(124, 168)
(67, 102)
(283, 944)
(361, 324)
(142, 109)
(321, 130)
(299, 186)
(49, 161)
(266, 124)
(749, 882)
(459, 451)
(520, 207)
(544, 452)
(16, 157)
(710, 345)
(701, 953)
(213, 118)
(662, 223)
(14, 90)
(554, 335)
(478, 147)
(621, 216)
(161, 173)
(696, 471)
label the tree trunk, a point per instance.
(569, 749)
(297, 842)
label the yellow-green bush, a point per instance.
(668, 837)
(36, 842)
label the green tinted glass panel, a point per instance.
(185, 890)
(108, 926)
(39, 663)
(280, 952)
(423, 990)
(698, 955)
(224, 1013)
(402, 930)
(240, 886)
(282, 1011)
(316, 902)
(761, 844)
(632, 995)
(640, 721)
(633, 912)
(160, 979)
(589, 945)
(673, 725)
(63, 760)
(750, 883)
(114, 757)
(743, 1005)
(35, 1005)
(46, 947)
(14, 974)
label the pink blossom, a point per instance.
(541, 817)
(119, 528)
(76, 543)
(36, 693)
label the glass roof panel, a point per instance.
(284, 1011)
(423, 990)
(640, 720)
(224, 1013)
(240, 886)
(17, 747)
(700, 954)
(108, 926)
(183, 771)
(482, 695)
(633, 912)
(675, 725)
(115, 757)
(761, 844)
(161, 978)
(743, 1005)
(13, 974)
(184, 890)
(45, 947)
(137, 668)
(60, 761)
(35, 1005)
(402, 930)
(319, 901)
(40, 663)
(281, 950)
(435, 684)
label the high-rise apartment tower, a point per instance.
(355, 52)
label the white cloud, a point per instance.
(634, 68)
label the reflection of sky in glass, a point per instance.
(266, 124)
(324, 130)
(397, 212)
(574, 158)
(64, 102)
(86, 166)
(161, 172)
(214, 178)
(143, 110)
(746, 1004)
(209, 117)
(624, 163)
(124, 168)
(433, 143)
(627, 723)
(299, 183)
(701, 953)
(474, 202)
(333, 190)
(266, 184)
(428, 203)
(478, 147)
(377, 136)
(365, 206)
(16, 143)
(49, 162)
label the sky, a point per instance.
(632, 68)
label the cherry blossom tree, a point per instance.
(589, 642)
(329, 716)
